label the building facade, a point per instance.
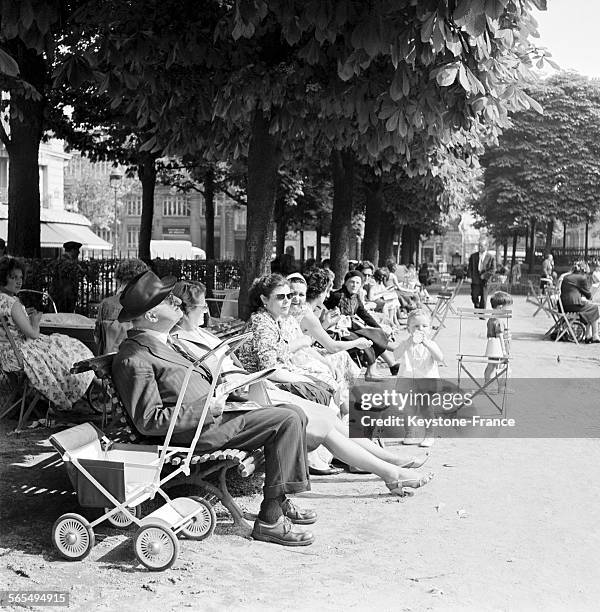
(177, 216)
(58, 225)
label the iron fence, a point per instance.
(96, 278)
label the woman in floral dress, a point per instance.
(47, 360)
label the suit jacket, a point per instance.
(148, 375)
(489, 269)
(572, 288)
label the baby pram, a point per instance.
(120, 477)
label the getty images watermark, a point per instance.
(422, 401)
(516, 408)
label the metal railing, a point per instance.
(96, 277)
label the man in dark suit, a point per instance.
(148, 373)
(482, 266)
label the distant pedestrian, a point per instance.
(67, 276)
(2, 247)
(482, 266)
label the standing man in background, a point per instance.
(66, 280)
(482, 266)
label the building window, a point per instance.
(133, 236)
(176, 206)
(133, 206)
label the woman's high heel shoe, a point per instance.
(404, 487)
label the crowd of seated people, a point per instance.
(298, 339)
(164, 341)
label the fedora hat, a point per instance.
(71, 245)
(142, 293)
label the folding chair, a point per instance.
(466, 361)
(538, 298)
(17, 382)
(568, 324)
(439, 313)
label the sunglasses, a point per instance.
(367, 274)
(283, 296)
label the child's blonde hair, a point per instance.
(501, 298)
(417, 312)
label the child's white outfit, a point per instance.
(415, 360)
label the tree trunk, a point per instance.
(263, 163)
(564, 234)
(505, 257)
(147, 176)
(373, 216)
(342, 169)
(318, 240)
(513, 258)
(549, 232)
(280, 226)
(386, 238)
(302, 258)
(532, 247)
(23, 150)
(209, 213)
(410, 237)
(587, 234)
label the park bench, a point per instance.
(215, 464)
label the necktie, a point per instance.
(179, 348)
(481, 258)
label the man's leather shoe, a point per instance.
(330, 471)
(282, 532)
(298, 515)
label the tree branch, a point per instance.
(234, 197)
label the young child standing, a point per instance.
(418, 357)
(497, 336)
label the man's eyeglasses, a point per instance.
(173, 300)
(284, 296)
(367, 273)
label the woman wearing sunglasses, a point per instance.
(270, 299)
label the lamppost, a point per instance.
(115, 180)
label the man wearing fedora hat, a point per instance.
(148, 373)
(66, 278)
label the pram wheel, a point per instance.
(156, 546)
(203, 524)
(122, 519)
(73, 537)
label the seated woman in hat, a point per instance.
(47, 359)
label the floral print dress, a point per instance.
(47, 360)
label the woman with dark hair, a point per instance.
(47, 360)
(348, 301)
(575, 296)
(270, 299)
(323, 426)
(109, 331)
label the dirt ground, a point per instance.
(506, 524)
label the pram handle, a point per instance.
(232, 344)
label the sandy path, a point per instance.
(509, 524)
